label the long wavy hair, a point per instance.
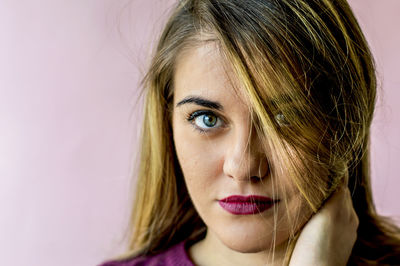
(306, 60)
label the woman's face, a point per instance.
(217, 155)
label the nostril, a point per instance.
(261, 176)
(255, 179)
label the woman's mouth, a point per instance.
(244, 205)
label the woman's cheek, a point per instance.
(194, 148)
(200, 163)
(200, 167)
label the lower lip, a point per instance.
(246, 208)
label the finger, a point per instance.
(346, 180)
(344, 183)
(341, 196)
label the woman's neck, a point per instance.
(211, 251)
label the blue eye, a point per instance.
(281, 120)
(205, 120)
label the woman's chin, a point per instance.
(247, 247)
(247, 242)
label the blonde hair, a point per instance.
(307, 60)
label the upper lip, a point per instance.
(250, 198)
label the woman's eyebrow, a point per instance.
(201, 101)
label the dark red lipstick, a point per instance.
(244, 205)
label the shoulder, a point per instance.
(175, 255)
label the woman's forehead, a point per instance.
(203, 71)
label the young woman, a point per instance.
(255, 143)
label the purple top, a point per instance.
(174, 256)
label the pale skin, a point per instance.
(217, 162)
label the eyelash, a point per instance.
(279, 118)
(192, 116)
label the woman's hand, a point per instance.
(329, 236)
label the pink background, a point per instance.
(69, 121)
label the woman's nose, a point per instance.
(245, 159)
